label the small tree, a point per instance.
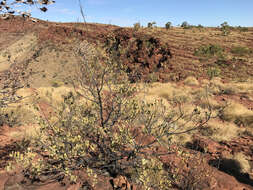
(101, 126)
(168, 25)
(225, 28)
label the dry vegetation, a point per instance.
(201, 70)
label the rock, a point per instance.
(209, 146)
(14, 182)
(14, 186)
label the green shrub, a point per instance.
(168, 25)
(186, 25)
(213, 72)
(241, 51)
(242, 29)
(221, 61)
(225, 28)
(151, 24)
(208, 50)
(199, 27)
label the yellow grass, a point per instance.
(223, 131)
(244, 162)
(231, 88)
(30, 132)
(204, 103)
(244, 87)
(191, 81)
(20, 49)
(238, 113)
(170, 92)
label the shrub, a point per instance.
(225, 28)
(242, 29)
(213, 72)
(200, 27)
(186, 25)
(102, 126)
(9, 117)
(151, 24)
(208, 50)
(192, 81)
(222, 61)
(241, 51)
(137, 26)
(168, 25)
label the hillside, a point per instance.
(174, 64)
(155, 54)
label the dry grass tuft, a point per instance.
(223, 131)
(53, 95)
(244, 163)
(191, 81)
(238, 114)
(171, 92)
(29, 132)
(204, 103)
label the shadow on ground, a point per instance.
(232, 167)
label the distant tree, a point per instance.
(10, 7)
(151, 24)
(225, 28)
(137, 26)
(200, 26)
(168, 25)
(185, 24)
(224, 24)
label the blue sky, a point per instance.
(128, 12)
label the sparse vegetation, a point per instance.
(213, 72)
(242, 29)
(186, 25)
(102, 126)
(191, 81)
(238, 114)
(56, 84)
(225, 28)
(151, 24)
(209, 50)
(168, 25)
(137, 26)
(221, 61)
(130, 121)
(241, 51)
